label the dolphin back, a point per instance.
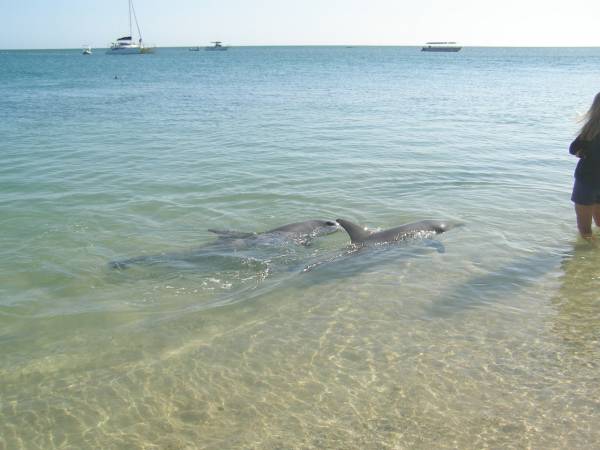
(441, 226)
(359, 235)
(414, 229)
(437, 226)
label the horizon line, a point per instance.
(319, 45)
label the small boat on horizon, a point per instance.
(441, 47)
(194, 49)
(216, 47)
(126, 45)
(87, 50)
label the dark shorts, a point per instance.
(585, 195)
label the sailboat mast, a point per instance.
(135, 18)
(130, 18)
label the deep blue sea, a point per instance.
(487, 336)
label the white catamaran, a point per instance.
(126, 45)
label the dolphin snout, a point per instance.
(457, 224)
(445, 226)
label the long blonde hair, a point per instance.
(591, 127)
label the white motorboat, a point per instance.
(87, 50)
(126, 45)
(441, 47)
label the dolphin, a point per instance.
(229, 242)
(361, 236)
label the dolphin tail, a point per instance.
(123, 264)
(231, 234)
(357, 233)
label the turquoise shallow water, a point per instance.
(487, 339)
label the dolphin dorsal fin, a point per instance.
(357, 233)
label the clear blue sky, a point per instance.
(70, 23)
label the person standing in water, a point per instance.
(586, 190)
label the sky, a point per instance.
(33, 24)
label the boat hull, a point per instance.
(130, 51)
(441, 49)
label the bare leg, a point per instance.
(584, 219)
(597, 214)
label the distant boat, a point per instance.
(441, 47)
(126, 45)
(87, 50)
(194, 49)
(216, 47)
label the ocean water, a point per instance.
(483, 337)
